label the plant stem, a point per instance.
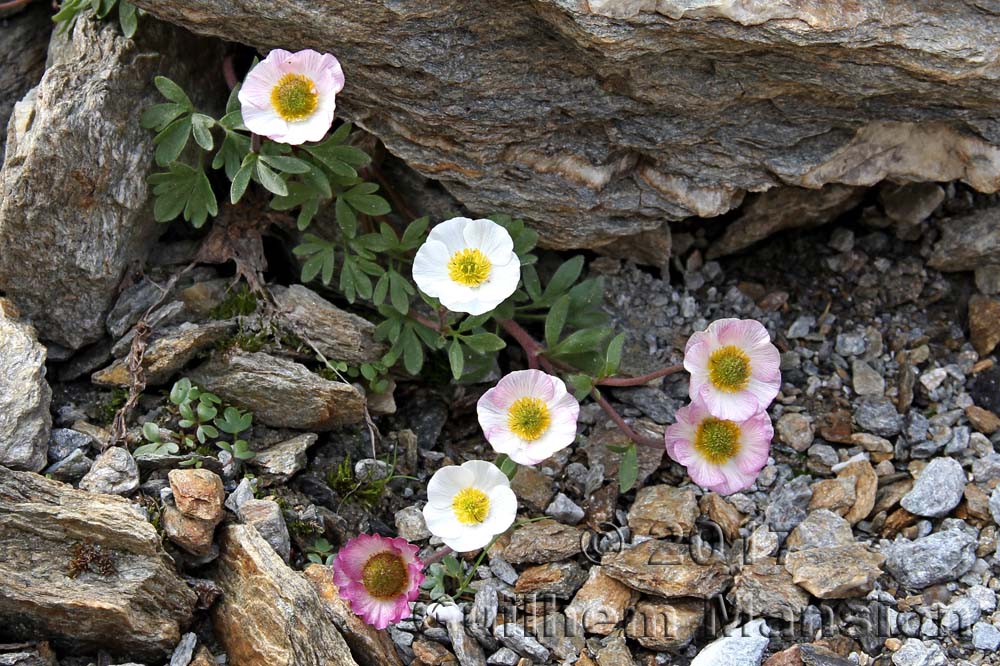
(531, 348)
(13, 4)
(420, 319)
(438, 556)
(479, 560)
(620, 422)
(229, 72)
(640, 380)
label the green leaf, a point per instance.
(506, 465)
(330, 154)
(581, 384)
(242, 178)
(628, 469)
(157, 117)
(206, 412)
(381, 289)
(484, 342)
(369, 204)
(180, 390)
(529, 278)
(563, 278)
(346, 218)
(171, 141)
(173, 92)
(271, 181)
(413, 352)
(201, 127)
(186, 190)
(286, 164)
(231, 154)
(151, 431)
(413, 235)
(614, 355)
(399, 292)
(556, 320)
(586, 340)
(307, 213)
(456, 358)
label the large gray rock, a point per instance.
(269, 614)
(73, 194)
(937, 558)
(968, 241)
(604, 117)
(27, 35)
(127, 600)
(279, 392)
(340, 335)
(938, 489)
(25, 421)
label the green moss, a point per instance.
(106, 410)
(240, 302)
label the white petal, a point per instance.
(446, 482)
(442, 522)
(313, 128)
(503, 510)
(430, 267)
(492, 240)
(265, 122)
(450, 232)
(472, 538)
(485, 475)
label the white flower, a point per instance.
(469, 265)
(469, 504)
(528, 415)
(291, 97)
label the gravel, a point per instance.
(938, 489)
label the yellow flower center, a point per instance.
(717, 440)
(529, 418)
(295, 97)
(729, 369)
(471, 506)
(384, 575)
(469, 267)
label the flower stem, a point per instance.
(438, 556)
(620, 422)
(531, 348)
(13, 4)
(640, 380)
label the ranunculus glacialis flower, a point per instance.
(468, 265)
(528, 415)
(469, 504)
(721, 455)
(734, 368)
(291, 97)
(378, 577)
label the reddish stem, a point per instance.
(420, 319)
(13, 4)
(642, 379)
(531, 348)
(438, 556)
(620, 422)
(229, 72)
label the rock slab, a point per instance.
(134, 605)
(25, 421)
(269, 614)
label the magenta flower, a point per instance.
(734, 368)
(721, 455)
(528, 415)
(290, 97)
(379, 577)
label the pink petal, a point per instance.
(729, 406)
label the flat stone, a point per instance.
(114, 472)
(410, 524)
(930, 560)
(878, 416)
(565, 510)
(533, 487)
(544, 541)
(279, 392)
(560, 579)
(666, 625)
(266, 516)
(765, 589)
(987, 277)
(74, 197)
(837, 572)
(269, 614)
(279, 463)
(513, 635)
(938, 489)
(983, 420)
(911, 203)
(795, 430)
(191, 534)
(837, 495)
(866, 380)
(865, 489)
(368, 645)
(47, 526)
(745, 648)
(787, 507)
(667, 570)
(722, 513)
(984, 323)
(985, 636)
(663, 510)
(64, 441)
(198, 493)
(337, 334)
(821, 529)
(24, 394)
(601, 604)
(168, 354)
(71, 468)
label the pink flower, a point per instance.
(724, 456)
(290, 97)
(379, 577)
(734, 368)
(528, 415)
